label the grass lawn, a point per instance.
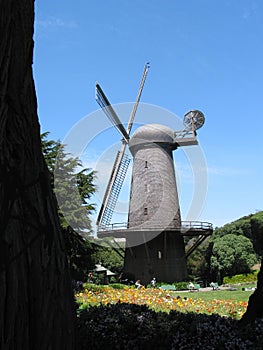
(236, 295)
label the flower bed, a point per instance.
(160, 300)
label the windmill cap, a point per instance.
(152, 133)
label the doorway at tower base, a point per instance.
(162, 257)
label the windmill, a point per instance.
(154, 231)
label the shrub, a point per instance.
(244, 278)
(77, 285)
(94, 287)
(118, 286)
(181, 285)
(131, 326)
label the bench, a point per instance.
(195, 287)
(168, 287)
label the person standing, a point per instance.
(138, 284)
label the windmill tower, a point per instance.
(154, 232)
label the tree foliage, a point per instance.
(50, 149)
(220, 255)
(231, 255)
(67, 175)
(197, 265)
(79, 254)
(250, 226)
(109, 257)
(65, 170)
(204, 265)
(73, 187)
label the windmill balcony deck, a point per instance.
(187, 228)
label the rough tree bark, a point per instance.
(255, 303)
(36, 299)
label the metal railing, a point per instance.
(186, 133)
(185, 226)
(203, 225)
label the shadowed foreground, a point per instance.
(130, 326)
(36, 298)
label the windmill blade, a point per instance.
(110, 113)
(134, 110)
(116, 180)
(121, 163)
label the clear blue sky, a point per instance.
(204, 54)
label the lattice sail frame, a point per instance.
(121, 163)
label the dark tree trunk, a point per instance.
(255, 304)
(36, 299)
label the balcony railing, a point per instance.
(140, 226)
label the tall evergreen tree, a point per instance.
(68, 177)
(73, 187)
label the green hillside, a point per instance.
(250, 226)
(232, 249)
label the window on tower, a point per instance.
(145, 211)
(146, 164)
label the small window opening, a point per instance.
(146, 164)
(159, 254)
(145, 211)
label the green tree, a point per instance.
(73, 187)
(197, 265)
(256, 223)
(68, 174)
(231, 255)
(74, 203)
(79, 253)
(250, 226)
(111, 258)
(50, 149)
